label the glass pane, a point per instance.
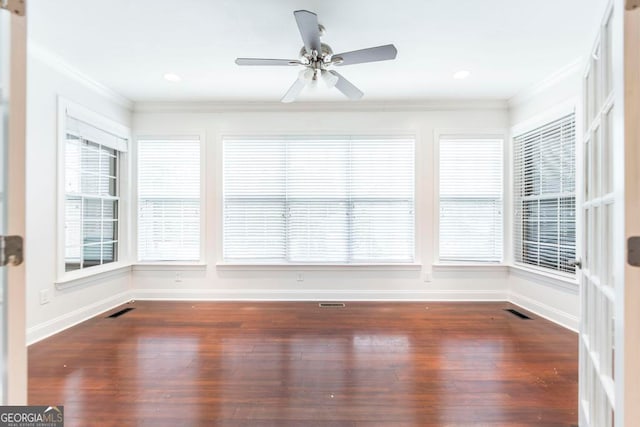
(89, 157)
(607, 154)
(92, 231)
(549, 256)
(72, 225)
(90, 183)
(253, 229)
(594, 172)
(91, 255)
(113, 187)
(549, 221)
(109, 252)
(72, 165)
(530, 220)
(383, 230)
(92, 209)
(318, 230)
(110, 209)
(109, 230)
(607, 57)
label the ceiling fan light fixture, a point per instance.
(329, 79)
(306, 74)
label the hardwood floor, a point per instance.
(289, 364)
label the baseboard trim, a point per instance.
(552, 314)
(60, 323)
(316, 295)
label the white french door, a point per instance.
(610, 302)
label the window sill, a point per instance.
(169, 266)
(82, 277)
(319, 267)
(557, 280)
(461, 266)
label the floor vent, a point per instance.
(517, 313)
(120, 313)
(331, 304)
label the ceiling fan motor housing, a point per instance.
(323, 57)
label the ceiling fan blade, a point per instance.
(264, 61)
(347, 88)
(372, 54)
(294, 91)
(309, 30)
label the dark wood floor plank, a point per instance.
(289, 364)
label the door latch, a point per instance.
(633, 251)
(11, 250)
(575, 263)
(14, 6)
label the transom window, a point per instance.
(325, 199)
(545, 199)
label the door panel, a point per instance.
(597, 391)
(610, 287)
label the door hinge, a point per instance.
(11, 250)
(14, 6)
(633, 251)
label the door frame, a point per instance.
(15, 34)
(630, 293)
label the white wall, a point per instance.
(327, 283)
(552, 98)
(47, 79)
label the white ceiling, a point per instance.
(128, 45)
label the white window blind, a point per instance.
(471, 189)
(544, 199)
(169, 200)
(91, 175)
(331, 200)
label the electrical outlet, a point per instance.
(428, 277)
(178, 277)
(300, 277)
(44, 296)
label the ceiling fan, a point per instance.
(317, 58)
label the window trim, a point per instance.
(418, 228)
(556, 112)
(67, 107)
(200, 135)
(496, 133)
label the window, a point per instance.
(471, 172)
(169, 200)
(92, 194)
(331, 200)
(544, 199)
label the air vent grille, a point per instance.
(119, 313)
(518, 314)
(331, 304)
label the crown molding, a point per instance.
(366, 106)
(573, 68)
(49, 58)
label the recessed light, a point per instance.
(171, 77)
(461, 75)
